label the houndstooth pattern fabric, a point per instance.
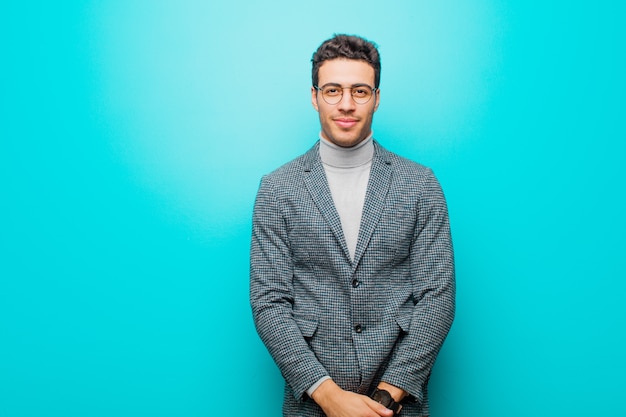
(382, 316)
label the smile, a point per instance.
(345, 123)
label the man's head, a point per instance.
(346, 75)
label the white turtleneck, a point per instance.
(347, 171)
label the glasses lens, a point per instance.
(361, 94)
(332, 94)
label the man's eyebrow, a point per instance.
(351, 86)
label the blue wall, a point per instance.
(134, 135)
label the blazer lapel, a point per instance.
(317, 184)
(375, 197)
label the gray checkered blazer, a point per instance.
(383, 316)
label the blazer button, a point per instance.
(355, 283)
(358, 328)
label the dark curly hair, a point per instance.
(349, 47)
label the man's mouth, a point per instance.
(345, 122)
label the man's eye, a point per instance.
(331, 91)
(359, 92)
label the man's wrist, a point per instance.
(313, 387)
(323, 390)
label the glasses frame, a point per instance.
(352, 88)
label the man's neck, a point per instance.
(336, 156)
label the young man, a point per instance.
(352, 270)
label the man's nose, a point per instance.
(347, 102)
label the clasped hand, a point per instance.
(337, 402)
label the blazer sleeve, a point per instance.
(433, 277)
(271, 293)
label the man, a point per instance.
(352, 271)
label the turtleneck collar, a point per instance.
(338, 157)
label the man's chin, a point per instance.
(345, 139)
(351, 141)
(346, 142)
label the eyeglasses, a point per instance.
(333, 93)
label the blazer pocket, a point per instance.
(307, 325)
(404, 321)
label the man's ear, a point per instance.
(377, 100)
(314, 99)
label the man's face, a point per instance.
(346, 123)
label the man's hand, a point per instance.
(339, 403)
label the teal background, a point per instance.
(133, 137)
